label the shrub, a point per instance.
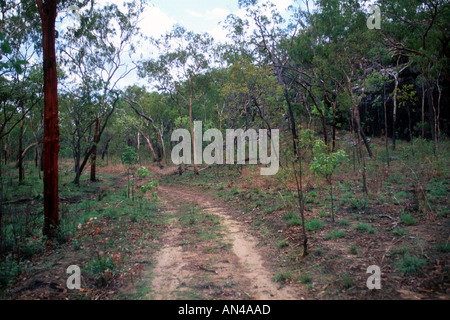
(399, 232)
(282, 276)
(408, 219)
(31, 248)
(305, 278)
(9, 270)
(364, 227)
(292, 219)
(346, 281)
(358, 204)
(336, 234)
(401, 250)
(282, 243)
(343, 222)
(410, 265)
(443, 247)
(313, 224)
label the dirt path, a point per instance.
(226, 266)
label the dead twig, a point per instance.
(206, 269)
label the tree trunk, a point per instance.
(160, 132)
(385, 123)
(360, 134)
(138, 146)
(301, 202)
(423, 109)
(193, 140)
(24, 152)
(20, 151)
(47, 11)
(94, 151)
(438, 116)
(105, 148)
(150, 148)
(394, 115)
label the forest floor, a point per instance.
(228, 233)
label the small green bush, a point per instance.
(282, 243)
(305, 278)
(346, 281)
(401, 250)
(343, 222)
(292, 219)
(358, 204)
(336, 234)
(408, 219)
(364, 227)
(443, 247)
(313, 224)
(282, 276)
(9, 270)
(353, 249)
(410, 265)
(399, 232)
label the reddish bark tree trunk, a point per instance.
(94, 152)
(47, 12)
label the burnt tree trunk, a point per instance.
(47, 12)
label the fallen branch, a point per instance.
(206, 269)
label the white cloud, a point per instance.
(217, 13)
(214, 14)
(155, 22)
(194, 14)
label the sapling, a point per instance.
(152, 185)
(325, 164)
(129, 158)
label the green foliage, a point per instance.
(282, 244)
(102, 268)
(313, 224)
(343, 222)
(336, 234)
(399, 232)
(364, 227)
(353, 249)
(325, 163)
(129, 156)
(410, 264)
(358, 203)
(9, 270)
(305, 278)
(401, 250)
(443, 247)
(282, 276)
(292, 219)
(347, 281)
(407, 219)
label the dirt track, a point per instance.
(237, 273)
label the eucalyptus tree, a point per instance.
(18, 60)
(98, 53)
(417, 32)
(268, 39)
(184, 58)
(254, 96)
(154, 118)
(21, 23)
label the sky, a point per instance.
(195, 15)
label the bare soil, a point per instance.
(239, 270)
